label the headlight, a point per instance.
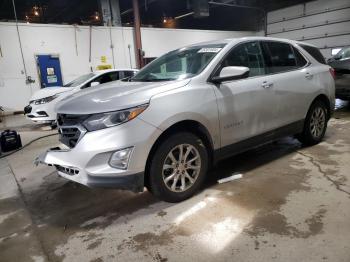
(45, 100)
(104, 120)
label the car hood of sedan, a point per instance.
(49, 91)
(114, 96)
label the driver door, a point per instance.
(246, 106)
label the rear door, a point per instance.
(247, 107)
(292, 81)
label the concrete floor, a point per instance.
(292, 204)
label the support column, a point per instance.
(137, 31)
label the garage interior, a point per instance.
(291, 203)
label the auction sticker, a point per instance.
(209, 50)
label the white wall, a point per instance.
(324, 23)
(74, 54)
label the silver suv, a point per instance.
(166, 126)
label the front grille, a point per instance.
(70, 128)
(67, 170)
(70, 120)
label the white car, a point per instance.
(42, 103)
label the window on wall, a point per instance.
(248, 55)
(280, 57)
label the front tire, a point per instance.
(178, 167)
(315, 124)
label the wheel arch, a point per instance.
(191, 126)
(323, 98)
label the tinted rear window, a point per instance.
(279, 57)
(301, 62)
(315, 53)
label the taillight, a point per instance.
(332, 71)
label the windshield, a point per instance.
(179, 64)
(78, 81)
(343, 53)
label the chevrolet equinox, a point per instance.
(166, 126)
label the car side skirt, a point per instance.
(256, 141)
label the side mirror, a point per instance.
(94, 83)
(229, 73)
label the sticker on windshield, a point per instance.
(209, 50)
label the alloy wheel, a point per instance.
(181, 168)
(317, 122)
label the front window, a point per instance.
(179, 64)
(80, 80)
(247, 55)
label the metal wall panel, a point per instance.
(324, 23)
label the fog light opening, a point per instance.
(120, 158)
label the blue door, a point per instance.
(50, 70)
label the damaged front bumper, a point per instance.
(133, 182)
(87, 162)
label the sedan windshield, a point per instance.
(80, 80)
(179, 64)
(343, 53)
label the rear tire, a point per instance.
(178, 167)
(315, 124)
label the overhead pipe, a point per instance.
(262, 10)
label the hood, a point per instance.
(49, 91)
(114, 96)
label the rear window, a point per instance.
(315, 53)
(301, 62)
(280, 57)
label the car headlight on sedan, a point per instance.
(45, 100)
(109, 119)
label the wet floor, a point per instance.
(292, 204)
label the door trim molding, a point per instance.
(256, 141)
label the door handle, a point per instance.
(267, 85)
(308, 76)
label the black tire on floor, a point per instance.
(307, 137)
(156, 182)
